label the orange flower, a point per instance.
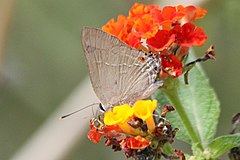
(169, 16)
(192, 13)
(137, 142)
(115, 27)
(122, 28)
(145, 26)
(139, 10)
(150, 23)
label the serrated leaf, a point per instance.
(201, 106)
(222, 144)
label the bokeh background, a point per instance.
(43, 73)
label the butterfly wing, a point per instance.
(117, 74)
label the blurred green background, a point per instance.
(42, 62)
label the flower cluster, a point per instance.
(138, 130)
(168, 31)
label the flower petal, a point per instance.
(145, 26)
(115, 27)
(94, 136)
(119, 115)
(144, 109)
(138, 10)
(192, 13)
(137, 142)
(162, 40)
(189, 35)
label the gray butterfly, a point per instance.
(119, 74)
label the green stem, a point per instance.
(173, 97)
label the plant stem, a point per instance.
(173, 97)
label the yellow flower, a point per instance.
(144, 109)
(118, 115)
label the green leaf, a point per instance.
(168, 149)
(222, 144)
(199, 107)
(201, 104)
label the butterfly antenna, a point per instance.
(67, 115)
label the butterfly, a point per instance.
(119, 74)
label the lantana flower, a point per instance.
(146, 113)
(134, 128)
(161, 41)
(119, 115)
(99, 129)
(189, 35)
(140, 130)
(171, 65)
(161, 31)
(137, 142)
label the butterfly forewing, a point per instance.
(117, 75)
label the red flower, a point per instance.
(132, 40)
(148, 22)
(137, 142)
(169, 30)
(171, 65)
(96, 132)
(162, 40)
(94, 136)
(168, 16)
(189, 35)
